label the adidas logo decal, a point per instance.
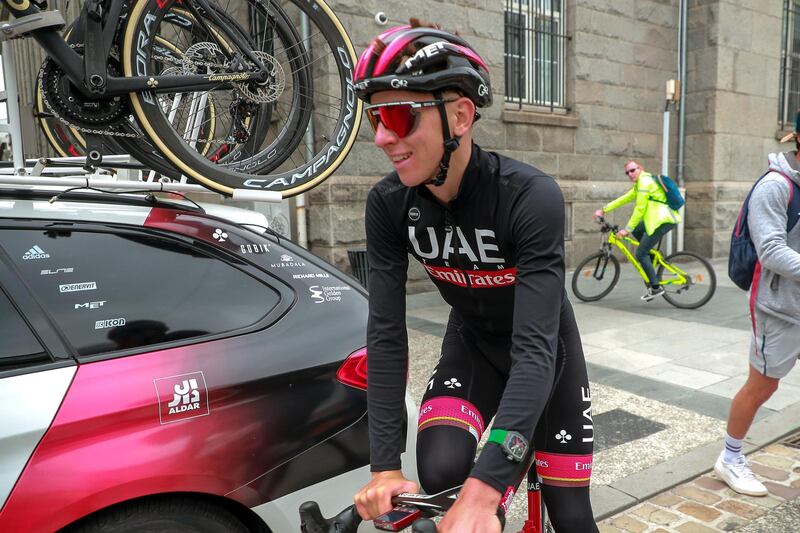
(35, 253)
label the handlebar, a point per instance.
(605, 226)
(312, 521)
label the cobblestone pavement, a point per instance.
(706, 504)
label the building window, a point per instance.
(535, 45)
(790, 69)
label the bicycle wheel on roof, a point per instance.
(259, 128)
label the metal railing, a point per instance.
(535, 53)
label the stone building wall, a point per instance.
(620, 55)
(734, 69)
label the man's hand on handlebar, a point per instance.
(475, 510)
(375, 498)
(599, 213)
(623, 233)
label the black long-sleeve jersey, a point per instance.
(496, 254)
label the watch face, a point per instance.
(516, 446)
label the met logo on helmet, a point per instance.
(425, 52)
(398, 83)
(483, 90)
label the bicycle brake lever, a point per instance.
(437, 503)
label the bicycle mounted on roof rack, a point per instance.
(222, 94)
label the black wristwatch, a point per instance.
(513, 444)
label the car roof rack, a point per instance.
(101, 181)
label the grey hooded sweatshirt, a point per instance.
(778, 289)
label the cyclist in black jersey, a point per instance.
(489, 231)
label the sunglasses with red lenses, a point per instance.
(401, 118)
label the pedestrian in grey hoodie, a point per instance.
(774, 310)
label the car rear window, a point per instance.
(18, 346)
(115, 291)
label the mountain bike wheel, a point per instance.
(701, 284)
(595, 276)
(317, 77)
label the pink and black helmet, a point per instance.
(418, 58)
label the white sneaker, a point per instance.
(739, 477)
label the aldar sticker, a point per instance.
(182, 397)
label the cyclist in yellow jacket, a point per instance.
(651, 219)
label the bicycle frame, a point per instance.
(681, 277)
(74, 64)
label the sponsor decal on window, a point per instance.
(35, 253)
(321, 294)
(109, 323)
(287, 261)
(91, 305)
(75, 287)
(311, 275)
(53, 271)
(182, 397)
(254, 248)
(220, 235)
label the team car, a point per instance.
(165, 369)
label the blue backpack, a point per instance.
(674, 199)
(742, 258)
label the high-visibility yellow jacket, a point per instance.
(651, 205)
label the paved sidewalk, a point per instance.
(706, 504)
(662, 379)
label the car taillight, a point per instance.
(353, 371)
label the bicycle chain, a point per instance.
(57, 115)
(84, 129)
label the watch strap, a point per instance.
(498, 436)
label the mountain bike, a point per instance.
(219, 89)
(688, 279)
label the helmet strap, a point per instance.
(451, 143)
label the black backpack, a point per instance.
(742, 257)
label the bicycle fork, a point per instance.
(600, 267)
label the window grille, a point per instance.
(535, 53)
(789, 100)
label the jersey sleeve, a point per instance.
(537, 225)
(621, 200)
(387, 337)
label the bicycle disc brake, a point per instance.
(269, 90)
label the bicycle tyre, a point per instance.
(588, 267)
(298, 172)
(68, 141)
(703, 272)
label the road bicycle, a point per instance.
(688, 279)
(220, 90)
(416, 510)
